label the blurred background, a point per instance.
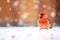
(18, 19)
(26, 12)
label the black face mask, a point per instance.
(42, 15)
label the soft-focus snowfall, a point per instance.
(29, 33)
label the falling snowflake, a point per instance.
(8, 1)
(44, 6)
(8, 25)
(0, 8)
(53, 14)
(15, 4)
(20, 22)
(10, 9)
(25, 15)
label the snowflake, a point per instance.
(8, 24)
(25, 15)
(20, 22)
(8, 1)
(0, 8)
(44, 6)
(10, 9)
(53, 14)
(15, 4)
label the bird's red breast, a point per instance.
(43, 21)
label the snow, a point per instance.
(0, 8)
(20, 22)
(25, 15)
(8, 1)
(44, 6)
(29, 33)
(53, 14)
(10, 9)
(15, 4)
(8, 25)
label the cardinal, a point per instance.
(43, 21)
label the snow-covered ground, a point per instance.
(29, 33)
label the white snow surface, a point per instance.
(29, 33)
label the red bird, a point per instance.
(43, 22)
